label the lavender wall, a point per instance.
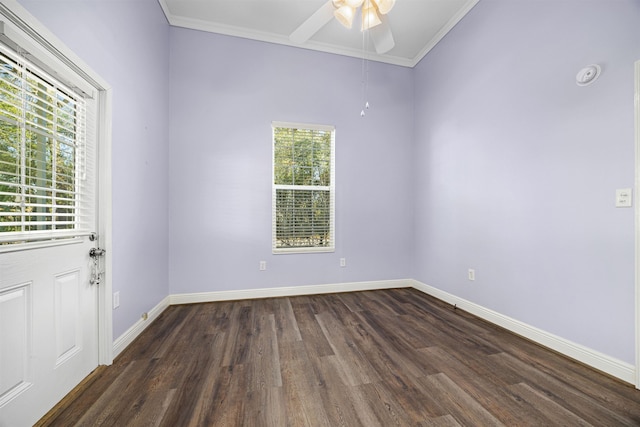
(509, 167)
(516, 166)
(225, 92)
(126, 42)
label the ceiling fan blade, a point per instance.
(382, 36)
(312, 25)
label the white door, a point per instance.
(48, 328)
(48, 192)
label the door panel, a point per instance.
(68, 329)
(49, 328)
(15, 334)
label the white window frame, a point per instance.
(55, 133)
(330, 247)
(31, 59)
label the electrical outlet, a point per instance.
(263, 265)
(472, 274)
(116, 299)
(343, 262)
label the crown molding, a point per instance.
(242, 32)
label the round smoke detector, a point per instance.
(588, 75)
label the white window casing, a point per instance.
(303, 188)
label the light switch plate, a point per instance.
(624, 198)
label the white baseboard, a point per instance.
(617, 368)
(132, 333)
(286, 291)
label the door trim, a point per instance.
(105, 228)
(637, 218)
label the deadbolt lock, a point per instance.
(96, 252)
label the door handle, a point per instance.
(96, 252)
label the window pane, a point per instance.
(39, 139)
(303, 218)
(302, 157)
(9, 175)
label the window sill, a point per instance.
(284, 251)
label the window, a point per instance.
(43, 187)
(303, 188)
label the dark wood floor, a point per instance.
(378, 358)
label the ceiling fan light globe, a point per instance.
(345, 15)
(385, 6)
(338, 3)
(370, 18)
(354, 3)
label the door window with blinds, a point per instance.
(303, 188)
(44, 190)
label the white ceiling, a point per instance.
(417, 25)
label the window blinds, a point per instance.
(44, 190)
(303, 188)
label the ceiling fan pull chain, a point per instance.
(365, 73)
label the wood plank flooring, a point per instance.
(376, 358)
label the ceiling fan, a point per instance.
(373, 14)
